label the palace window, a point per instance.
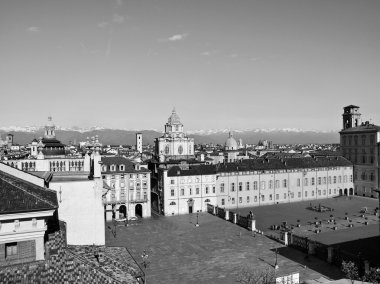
(207, 200)
(271, 184)
(172, 181)
(329, 190)
(222, 201)
(334, 179)
(299, 194)
(240, 199)
(329, 180)
(10, 249)
(277, 183)
(363, 139)
(284, 195)
(350, 178)
(232, 186)
(319, 192)
(197, 190)
(182, 191)
(324, 192)
(312, 181)
(324, 180)
(263, 185)
(262, 198)
(172, 203)
(339, 179)
(213, 189)
(270, 196)
(255, 185)
(247, 185)
(277, 196)
(312, 193)
(247, 199)
(240, 186)
(121, 168)
(298, 182)
(255, 200)
(113, 168)
(284, 183)
(319, 180)
(221, 187)
(233, 200)
(305, 193)
(190, 191)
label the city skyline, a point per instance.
(240, 65)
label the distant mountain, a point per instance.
(24, 135)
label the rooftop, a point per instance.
(18, 195)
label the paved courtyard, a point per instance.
(214, 252)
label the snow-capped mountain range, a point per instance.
(23, 135)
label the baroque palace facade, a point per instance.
(254, 182)
(182, 185)
(360, 143)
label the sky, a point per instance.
(240, 64)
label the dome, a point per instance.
(231, 143)
(174, 118)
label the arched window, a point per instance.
(180, 149)
(122, 167)
(172, 203)
(104, 168)
(207, 200)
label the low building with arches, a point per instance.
(126, 189)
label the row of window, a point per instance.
(123, 195)
(131, 176)
(289, 195)
(365, 176)
(347, 140)
(276, 183)
(131, 185)
(190, 180)
(208, 190)
(206, 201)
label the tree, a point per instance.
(350, 269)
(373, 275)
(248, 276)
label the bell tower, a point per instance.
(351, 116)
(50, 129)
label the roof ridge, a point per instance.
(29, 193)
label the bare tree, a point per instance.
(350, 269)
(249, 276)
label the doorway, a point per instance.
(138, 210)
(190, 209)
(122, 211)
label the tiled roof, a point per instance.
(362, 128)
(262, 165)
(17, 195)
(192, 171)
(117, 161)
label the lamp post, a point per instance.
(145, 263)
(197, 224)
(275, 264)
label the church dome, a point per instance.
(174, 118)
(231, 143)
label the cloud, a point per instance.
(177, 37)
(102, 25)
(119, 2)
(118, 19)
(33, 29)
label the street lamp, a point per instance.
(197, 224)
(145, 263)
(275, 264)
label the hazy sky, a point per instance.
(222, 64)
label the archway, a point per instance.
(122, 211)
(351, 191)
(138, 210)
(345, 191)
(190, 203)
(340, 192)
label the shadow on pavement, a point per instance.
(311, 262)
